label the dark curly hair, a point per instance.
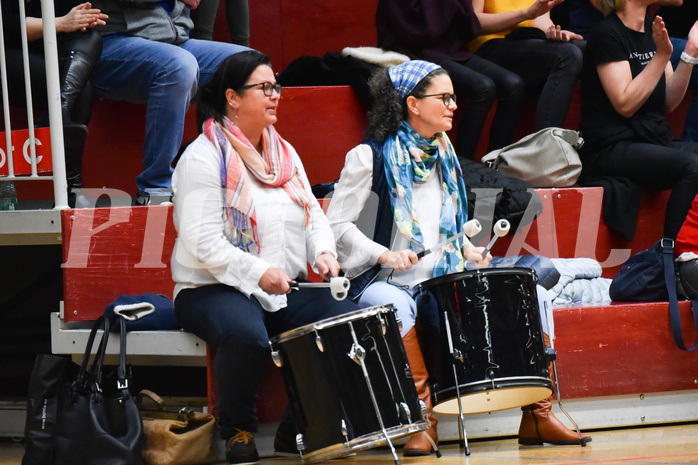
(388, 110)
(232, 73)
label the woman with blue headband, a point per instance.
(405, 182)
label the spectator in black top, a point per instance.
(627, 86)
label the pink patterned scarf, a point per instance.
(274, 167)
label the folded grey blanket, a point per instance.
(580, 282)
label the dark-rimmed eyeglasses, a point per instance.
(445, 97)
(267, 87)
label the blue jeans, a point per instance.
(239, 329)
(165, 77)
(690, 125)
(383, 293)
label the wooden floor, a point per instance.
(663, 445)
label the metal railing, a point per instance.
(58, 173)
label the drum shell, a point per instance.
(496, 329)
(327, 386)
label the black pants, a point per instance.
(548, 69)
(655, 167)
(483, 83)
(89, 43)
(239, 329)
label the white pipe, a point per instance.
(5, 102)
(27, 87)
(60, 185)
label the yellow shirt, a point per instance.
(501, 6)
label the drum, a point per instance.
(349, 383)
(483, 340)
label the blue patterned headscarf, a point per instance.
(406, 76)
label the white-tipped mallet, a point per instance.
(470, 229)
(501, 228)
(339, 286)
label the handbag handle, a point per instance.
(86, 374)
(121, 378)
(674, 313)
(94, 373)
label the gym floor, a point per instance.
(663, 445)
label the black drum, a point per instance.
(349, 383)
(496, 347)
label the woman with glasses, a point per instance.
(247, 224)
(407, 174)
(405, 181)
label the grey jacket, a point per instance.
(146, 19)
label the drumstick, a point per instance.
(470, 229)
(501, 228)
(339, 286)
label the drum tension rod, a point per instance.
(358, 354)
(461, 419)
(552, 357)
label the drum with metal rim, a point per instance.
(349, 383)
(482, 340)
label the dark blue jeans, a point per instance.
(484, 83)
(239, 329)
(550, 69)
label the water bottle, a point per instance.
(8, 196)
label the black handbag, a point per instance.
(50, 372)
(649, 276)
(98, 421)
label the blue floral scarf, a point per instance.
(409, 158)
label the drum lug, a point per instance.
(276, 357)
(399, 326)
(345, 432)
(357, 353)
(424, 409)
(404, 412)
(384, 328)
(318, 342)
(550, 355)
(300, 444)
(458, 355)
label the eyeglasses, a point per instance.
(267, 87)
(446, 97)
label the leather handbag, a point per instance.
(547, 158)
(49, 374)
(98, 421)
(176, 437)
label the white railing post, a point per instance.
(5, 101)
(60, 185)
(27, 88)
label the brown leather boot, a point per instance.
(539, 425)
(419, 444)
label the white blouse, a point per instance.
(352, 214)
(203, 253)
